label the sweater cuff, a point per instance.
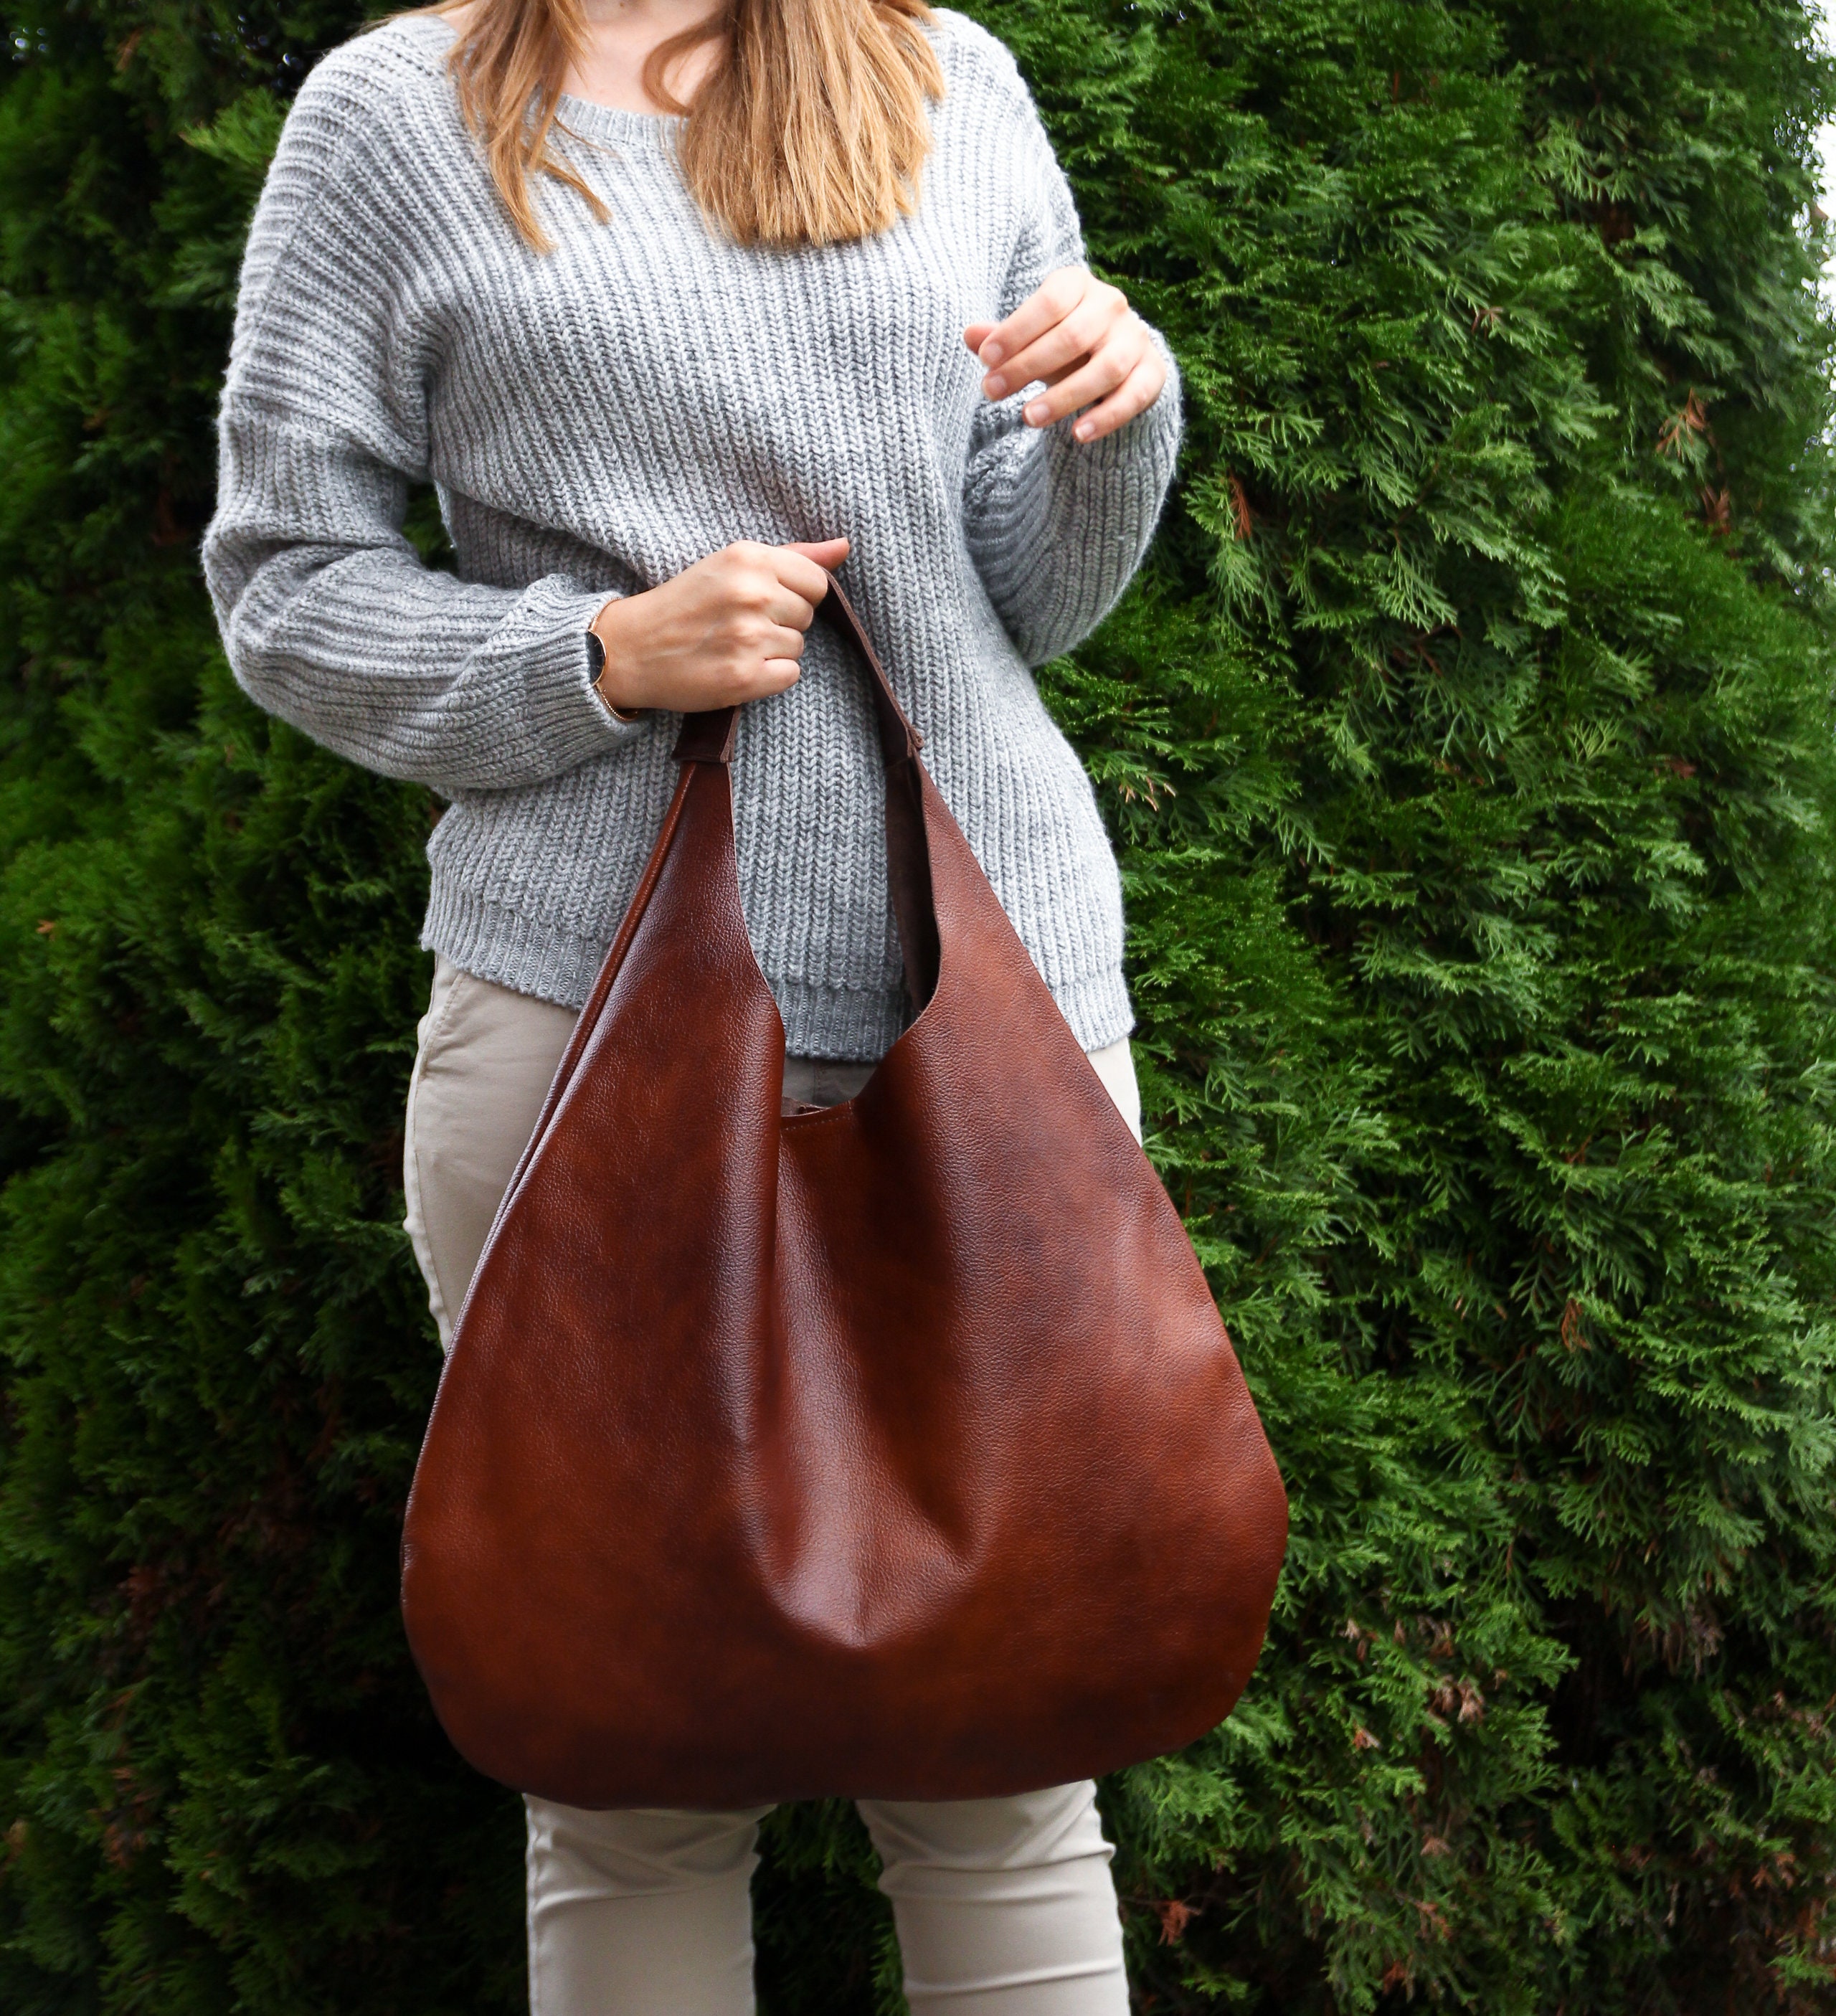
(572, 722)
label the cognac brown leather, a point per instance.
(887, 1449)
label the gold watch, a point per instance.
(595, 658)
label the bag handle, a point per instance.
(708, 738)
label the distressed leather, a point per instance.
(890, 1450)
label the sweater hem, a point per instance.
(836, 1023)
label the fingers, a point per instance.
(1049, 304)
(1104, 369)
(1100, 317)
(826, 552)
(783, 640)
(783, 584)
(766, 664)
(801, 568)
(1076, 335)
(728, 629)
(768, 595)
(1136, 393)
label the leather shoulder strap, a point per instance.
(708, 738)
(898, 739)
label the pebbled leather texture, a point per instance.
(890, 1449)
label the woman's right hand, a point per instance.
(730, 629)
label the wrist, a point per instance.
(610, 678)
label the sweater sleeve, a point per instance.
(1056, 527)
(329, 617)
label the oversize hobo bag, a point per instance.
(887, 1449)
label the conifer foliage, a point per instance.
(1467, 743)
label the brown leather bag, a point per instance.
(889, 1449)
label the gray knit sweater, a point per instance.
(595, 420)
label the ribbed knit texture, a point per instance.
(598, 419)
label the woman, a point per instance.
(669, 301)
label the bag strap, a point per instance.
(708, 738)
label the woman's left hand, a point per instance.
(1081, 337)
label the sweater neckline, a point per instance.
(655, 131)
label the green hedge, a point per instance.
(1468, 743)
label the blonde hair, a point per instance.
(809, 129)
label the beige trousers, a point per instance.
(1003, 1907)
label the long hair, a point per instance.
(809, 128)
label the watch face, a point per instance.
(595, 653)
